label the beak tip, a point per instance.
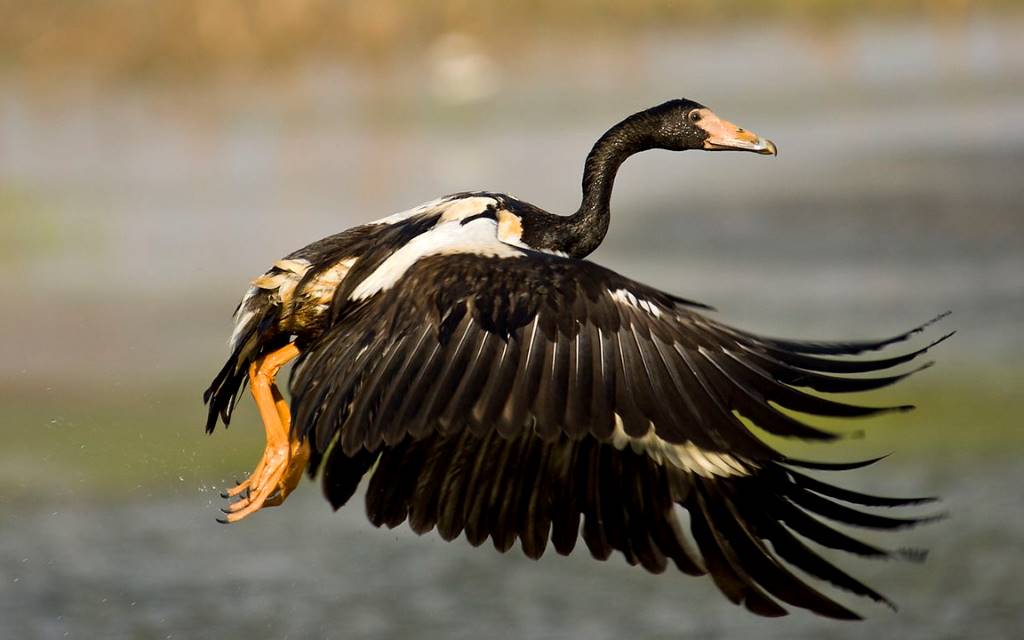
(769, 148)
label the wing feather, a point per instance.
(542, 399)
(762, 564)
(495, 395)
(414, 363)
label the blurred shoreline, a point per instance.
(167, 40)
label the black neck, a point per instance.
(586, 228)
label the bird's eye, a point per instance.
(694, 116)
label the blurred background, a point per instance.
(155, 156)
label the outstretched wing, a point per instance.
(508, 395)
(548, 345)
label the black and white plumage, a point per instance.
(493, 383)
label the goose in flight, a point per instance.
(493, 383)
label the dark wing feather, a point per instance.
(497, 397)
(840, 348)
(552, 346)
(530, 490)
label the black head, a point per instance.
(683, 124)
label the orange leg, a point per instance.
(299, 454)
(284, 458)
(284, 415)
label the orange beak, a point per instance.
(725, 136)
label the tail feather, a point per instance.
(254, 318)
(222, 395)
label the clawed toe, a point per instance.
(280, 473)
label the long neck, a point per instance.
(584, 230)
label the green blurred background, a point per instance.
(155, 156)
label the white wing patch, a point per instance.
(626, 297)
(687, 456)
(451, 208)
(478, 237)
(427, 207)
(465, 207)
